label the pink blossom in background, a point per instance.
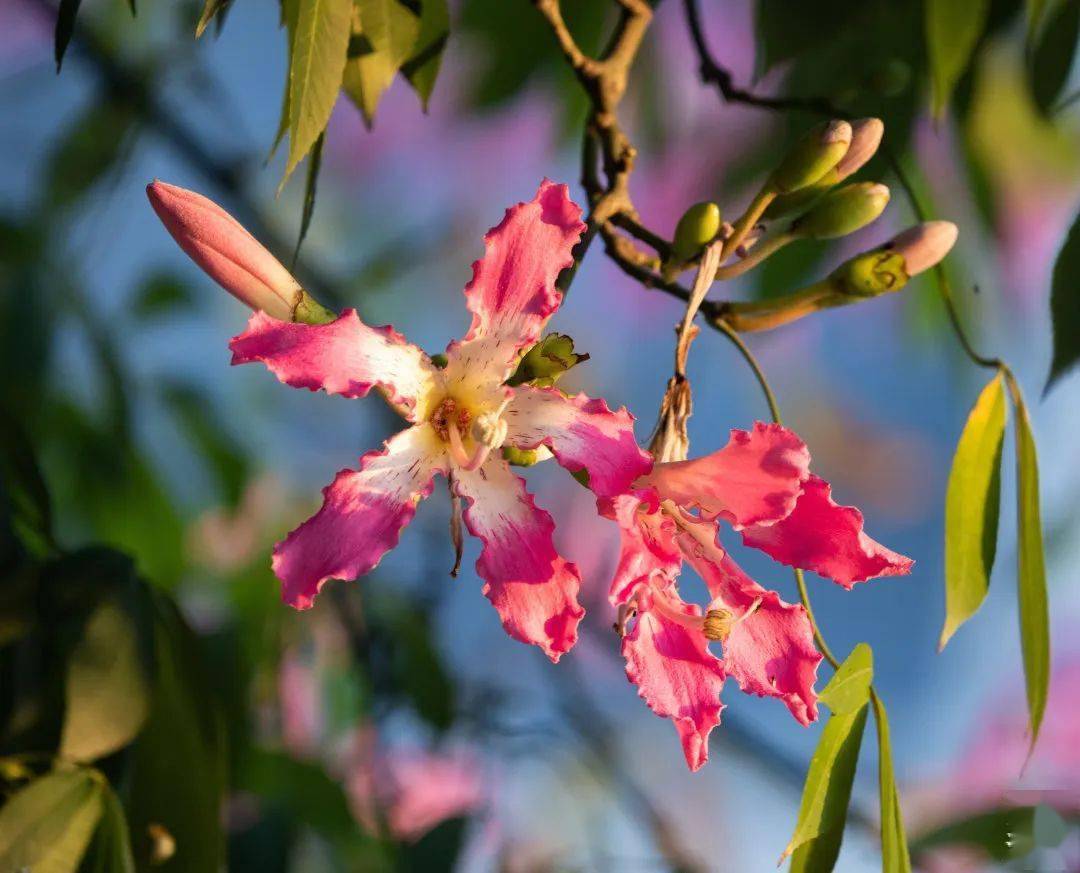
(760, 483)
(300, 693)
(25, 34)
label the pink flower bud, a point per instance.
(866, 136)
(924, 245)
(230, 255)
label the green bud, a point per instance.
(546, 361)
(697, 228)
(870, 274)
(522, 457)
(440, 360)
(843, 211)
(797, 202)
(819, 150)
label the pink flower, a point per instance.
(760, 483)
(460, 417)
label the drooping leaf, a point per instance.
(46, 826)
(849, 687)
(953, 28)
(971, 508)
(65, 27)
(316, 67)
(422, 68)
(546, 361)
(1065, 306)
(211, 9)
(177, 779)
(87, 150)
(827, 791)
(1031, 569)
(1052, 57)
(106, 689)
(290, 12)
(388, 32)
(311, 182)
(110, 851)
(895, 857)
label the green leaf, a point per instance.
(65, 27)
(211, 8)
(177, 779)
(290, 13)
(110, 852)
(953, 28)
(315, 71)
(1065, 306)
(46, 826)
(827, 791)
(106, 686)
(389, 32)
(1031, 570)
(161, 294)
(894, 847)
(310, 184)
(849, 688)
(422, 68)
(1003, 834)
(1052, 57)
(87, 150)
(545, 362)
(972, 502)
(23, 493)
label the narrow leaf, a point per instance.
(88, 148)
(211, 8)
(1031, 570)
(389, 30)
(953, 28)
(290, 12)
(310, 184)
(1065, 307)
(65, 27)
(110, 852)
(895, 857)
(829, 778)
(422, 68)
(849, 687)
(46, 826)
(316, 67)
(1052, 57)
(972, 502)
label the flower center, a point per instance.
(448, 413)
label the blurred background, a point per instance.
(394, 726)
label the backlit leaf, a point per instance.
(211, 8)
(895, 857)
(849, 688)
(389, 32)
(972, 502)
(422, 68)
(953, 28)
(110, 852)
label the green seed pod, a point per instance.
(819, 150)
(697, 228)
(870, 274)
(843, 211)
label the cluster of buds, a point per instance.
(805, 198)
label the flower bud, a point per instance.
(843, 211)
(866, 134)
(230, 255)
(819, 150)
(870, 274)
(924, 245)
(698, 227)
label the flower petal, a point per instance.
(362, 515)
(677, 676)
(649, 549)
(583, 434)
(344, 357)
(512, 293)
(532, 587)
(755, 479)
(771, 652)
(822, 536)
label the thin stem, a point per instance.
(762, 250)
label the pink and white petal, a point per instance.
(512, 293)
(344, 357)
(534, 590)
(755, 479)
(677, 676)
(771, 652)
(649, 551)
(821, 536)
(362, 515)
(582, 433)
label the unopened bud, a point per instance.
(811, 157)
(697, 228)
(866, 134)
(924, 245)
(230, 255)
(843, 211)
(870, 274)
